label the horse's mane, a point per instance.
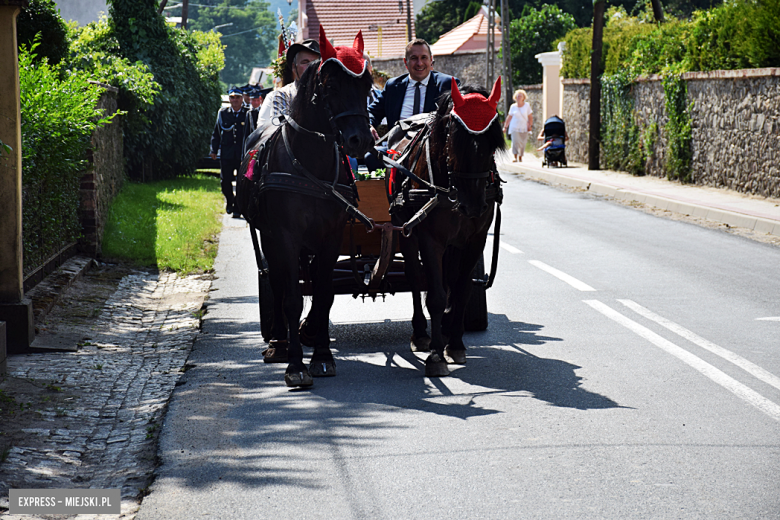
(306, 86)
(461, 140)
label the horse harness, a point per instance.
(427, 198)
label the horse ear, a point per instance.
(495, 95)
(326, 49)
(358, 43)
(457, 97)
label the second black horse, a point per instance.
(457, 159)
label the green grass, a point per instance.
(170, 224)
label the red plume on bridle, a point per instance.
(350, 58)
(475, 111)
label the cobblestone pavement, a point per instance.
(110, 394)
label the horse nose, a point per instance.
(357, 142)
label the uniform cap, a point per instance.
(234, 91)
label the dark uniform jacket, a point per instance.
(229, 133)
(390, 101)
(251, 123)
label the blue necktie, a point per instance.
(416, 109)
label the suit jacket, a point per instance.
(390, 101)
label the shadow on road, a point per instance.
(242, 424)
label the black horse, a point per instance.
(294, 187)
(459, 157)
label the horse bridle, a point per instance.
(337, 135)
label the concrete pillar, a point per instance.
(552, 103)
(14, 310)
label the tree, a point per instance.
(250, 40)
(166, 139)
(436, 18)
(532, 34)
(42, 16)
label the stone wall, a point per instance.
(735, 123)
(468, 67)
(736, 129)
(576, 115)
(101, 183)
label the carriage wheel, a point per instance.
(266, 302)
(476, 315)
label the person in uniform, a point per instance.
(255, 100)
(245, 91)
(228, 136)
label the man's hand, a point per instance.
(374, 134)
(214, 156)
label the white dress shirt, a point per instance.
(407, 109)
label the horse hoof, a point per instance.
(276, 353)
(435, 367)
(421, 344)
(298, 379)
(322, 368)
(456, 357)
(306, 339)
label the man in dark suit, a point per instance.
(228, 136)
(409, 94)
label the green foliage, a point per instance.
(437, 18)
(534, 33)
(737, 34)
(58, 119)
(620, 135)
(43, 17)
(170, 224)
(471, 10)
(678, 128)
(734, 35)
(249, 42)
(95, 52)
(168, 137)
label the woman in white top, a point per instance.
(519, 123)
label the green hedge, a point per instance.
(58, 119)
(735, 35)
(168, 137)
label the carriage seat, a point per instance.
(404, 131)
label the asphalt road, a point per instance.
(630, 370)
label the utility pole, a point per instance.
(595, 85)
(490, 50)
(507, 55)
(408, 22)
(185, 9)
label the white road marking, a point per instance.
(582, 286)
(743, 392)
(771, 318)
(744, 364)
(511, 249)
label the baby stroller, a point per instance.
(555, 134)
